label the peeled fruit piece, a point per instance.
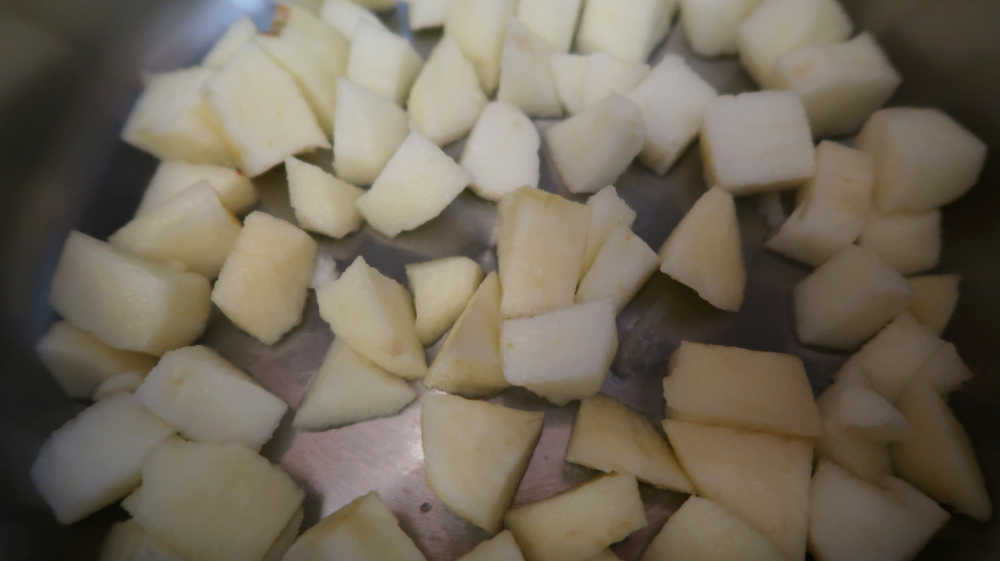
(469, 362)
(909, 243)
(475, 454)
(539, 352)
(610, 437)
(427, 14)
(349, 388)
(344, 16)
(322, 203)
(673, 99)
(742, 388)
(441, 288)
(127, 382)
(937, 456)
(863, 456)
(854, 520)
(383, 62)
(526, 79)
(192, 227)
(832, 207)
(848, 299)
(368, 129)
(234, 190)
(591, 149)
(173, 120)
(579, 523)
(934, 299)
(892, 358)
(128, 541)
(80, 362)
(607, 212)
(552, 20)
(232, 511)
(242, 31)
(712, 26)
(208, 399)
(629, 32)
(703, 251)
(701, 530)
(446, 99)
(96, 457)
(539, 265)
(570, 74)
(621, 267)
(363, 530)
(841, 84)
(263, 284)
(720, 461)
(501, 547)
(374, 315)
(944, 370)
(864, 412)
(501, 153)
(479, 26)
(125, 301)
(757, 141)
(779, 27)
(606, 75)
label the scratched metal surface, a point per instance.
(95, 186)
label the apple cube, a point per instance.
(673, 99)
(701, 530)
(126, 382)
(934, 299)
(475, 454)
(621, 267)
(501, 547)
(606, 75)
(262, 111)
(712, 26)
(344, 15)
(446, 99)
(127, 302)
(832, 207)
(864, 412)
(720, 461)
(129, 541)
(349, 388)
(937, 455)
(415, 186)
(539, 354)
(758, 141)
(234, 190)
(479, 26)
(501, 153)
(441, 289)
(627, 32)
(374, 315)
(742, 388)
(368, 130)
(383, 62)
(611, 437)
(592, 148)
(469, 360)
(607, 212)
(232, 510)
(539, 265)
(570, 75)
(526, 79)
(552, 20)
(892, 358)
(192, 227)
(703, 251)
(173, 120)
(427, 14)
(579, 523)
(263, 284)
(96, 458)
(208, 399)
(944, 370)
(848, 299)
(778, 27)
(80, 362)
(909, 243)
(322, 203)
(241, 32)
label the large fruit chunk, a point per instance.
(526, 79)
(501, 152)
(934, 299)
(322, 202)
(501, 547)
(263, 284)
(579, 523)
(125, 301)
(383, 62)
(741, 388)
(892, 358)
(235, 191)
(96, 458)
(374, 315)
(552, 20)
(611, 437)
(441, 288)
(620, 269)
(712, 26)
(909, 243)
(479, 26)
(629, 32)
(475, 454)
(368, 129)
(608, 211)
(446, 99)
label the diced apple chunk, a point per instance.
(344, 16)
(607, 212)
(446, 99)
(427, 14)
(501, 547)
(892, 358)
(621, 267)
(570, 74)
(552, 20)
(479, 26)
(579, 523)
(944, 370)
(96, 458)
(539, 352)
(591, 149)
(242, 31)
(848, 299)
(923, 158)
(703, 252)
(526, 79)
(758, 141)
(611, 437)
(374, 315)
(126, 382)
(501, 153)
(934, 299)
(673, 99)
(129, 541)
(441, 288)
(235, 191)
(322, 203)
(627, 32)
(263, 284)
(368, 129)
(208, 399)
(125, 301)
(383, 62)
(475, 454)
(349, 388)
(864, 412)
(606, 75)
(231, 511)
(742, 388)
(712, 26)
(909, 243)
